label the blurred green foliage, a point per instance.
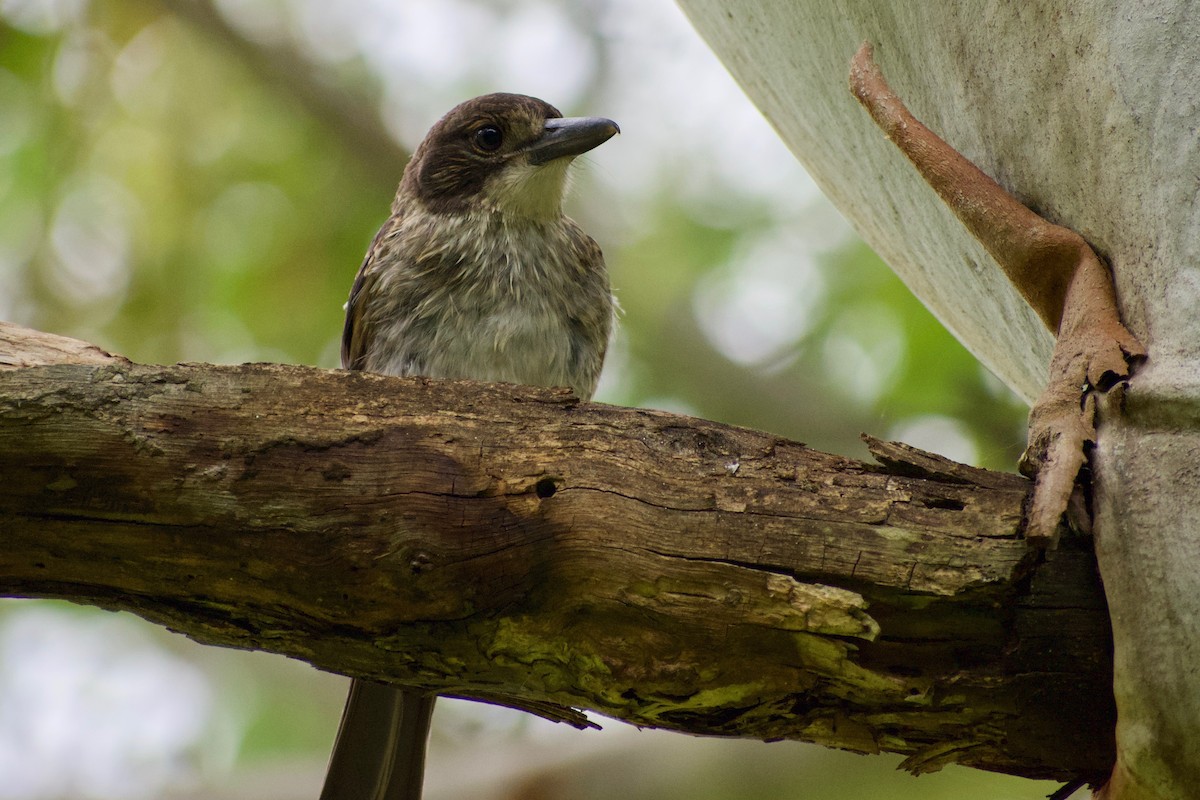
(174, 186)
(172, 207)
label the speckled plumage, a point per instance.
(478, 274)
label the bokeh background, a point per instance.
(197, 180)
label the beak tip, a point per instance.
(571, 136)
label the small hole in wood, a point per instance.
(948, 503)
(545, 488)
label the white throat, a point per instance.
(523, 190)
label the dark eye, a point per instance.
(489, 138)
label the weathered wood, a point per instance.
(516, 545)
(24, 347)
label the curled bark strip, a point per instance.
(1057, 273)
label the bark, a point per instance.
(1087, 115)
(1057, 273)
(515, 545)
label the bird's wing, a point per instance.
(358, 329)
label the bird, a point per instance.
(477, 274)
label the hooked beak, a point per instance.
(570, 136)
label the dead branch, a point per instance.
(515, 545)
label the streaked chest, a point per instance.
(490, 301)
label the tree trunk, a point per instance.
(1088, 115)
(515, 545)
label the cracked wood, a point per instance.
(514, 545)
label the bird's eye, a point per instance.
(489, 138)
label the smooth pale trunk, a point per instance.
(1088, 115)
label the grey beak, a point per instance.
(570, 136)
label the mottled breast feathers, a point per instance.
(477, 273)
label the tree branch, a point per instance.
(515, 545)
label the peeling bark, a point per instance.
(1057, 273)
(1088, 117)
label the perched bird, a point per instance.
(477, 274)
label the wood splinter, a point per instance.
(1058, 274)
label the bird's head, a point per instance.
(507, 153)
